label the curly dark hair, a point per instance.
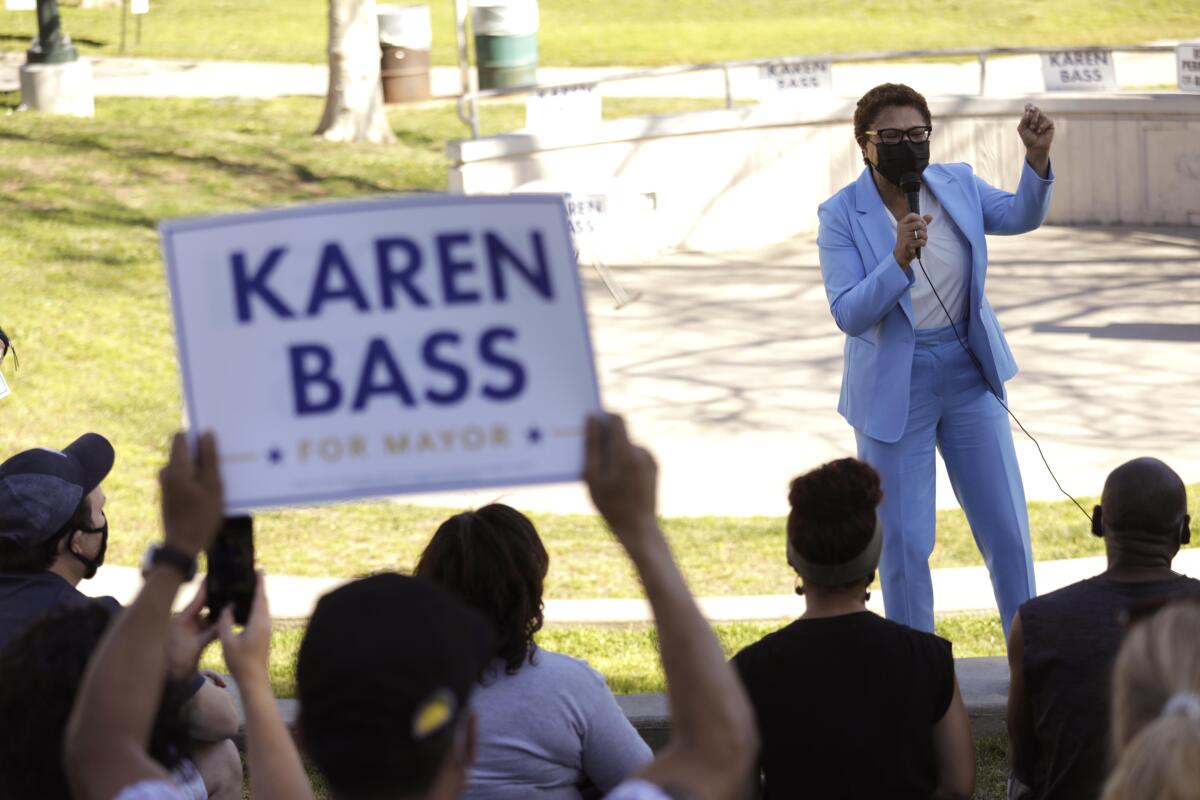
(833, 511)
(884, 96)
(40, 672)
(16, 557)
(494, 560)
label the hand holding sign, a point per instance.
(375, 348)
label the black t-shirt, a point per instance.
(26, 597)
(1071, 641)
(846, 707)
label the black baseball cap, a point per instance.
(389, 652)
(41, 488)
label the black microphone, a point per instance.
(910, 184)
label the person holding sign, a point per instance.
(904, 259)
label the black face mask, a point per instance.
(93, 564)
(898, 160)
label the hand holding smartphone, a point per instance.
(231, 578)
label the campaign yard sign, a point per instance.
(387, 346)
(563, 107)
(1188, 56)
(1080, 71)
(785, 78)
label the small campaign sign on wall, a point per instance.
(1080, 71)
(785, 78)
(20, 5)
(382, 347)
(563, 107)
(139, 6)
(1189, 66)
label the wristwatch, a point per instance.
(164, 554)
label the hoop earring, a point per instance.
(799, 586)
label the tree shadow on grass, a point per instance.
(134, 153)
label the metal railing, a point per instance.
(468, 105)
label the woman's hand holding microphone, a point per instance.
(911, 235)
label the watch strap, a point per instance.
(163, 554)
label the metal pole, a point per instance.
(982, 71)
(124, 21)
(52, 45)
(466, 96)
(728, 87)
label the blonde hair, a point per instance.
(1156, 754)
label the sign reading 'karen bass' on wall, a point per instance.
(382, 347)
(1080, 71)
(1188, 58)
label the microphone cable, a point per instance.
(992, 389)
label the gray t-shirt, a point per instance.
(547, 729)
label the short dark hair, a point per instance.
(40, 673)
(493, 560)
(833, 511)
(884, 96)
(15, 557)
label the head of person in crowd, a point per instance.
(1142, 514)
(40, 672)
(834, 536)
(892, 126)
(1156, 708)
(52, 509)
(383, 678)
(493, 560)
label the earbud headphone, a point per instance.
(1185, 527)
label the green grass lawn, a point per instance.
(627, 654)
(633, 32)
(84, 298)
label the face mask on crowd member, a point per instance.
(51, 504)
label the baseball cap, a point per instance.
(41, 488)
(389, 657)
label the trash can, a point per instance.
(405, 37)
(506, 52)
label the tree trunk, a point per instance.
(354, 103)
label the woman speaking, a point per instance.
(907, 290)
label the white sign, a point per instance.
(787, 78)
(587, 213)
(563, 107)
(139, 6)
(1189, 67)
(381, 347)
(20, 5)
(1080, 71)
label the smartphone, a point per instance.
(231, 578)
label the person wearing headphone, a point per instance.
(925, 359)
(1063, 644)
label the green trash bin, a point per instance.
(506, 51)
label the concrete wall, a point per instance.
(751, 176)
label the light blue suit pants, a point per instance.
(952, 409)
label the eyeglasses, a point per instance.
(896, 135)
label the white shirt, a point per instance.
(947, 259)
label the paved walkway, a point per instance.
(146, 77)
(957, 589)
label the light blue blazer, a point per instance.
(869, 293)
